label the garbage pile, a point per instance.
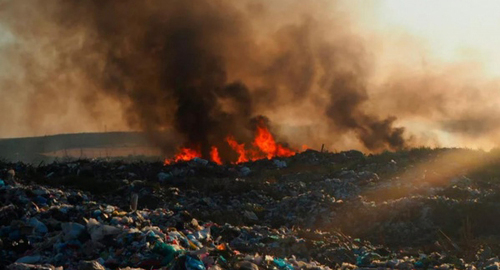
(310, 211)
(51, 227)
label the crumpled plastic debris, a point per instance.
(265, 214)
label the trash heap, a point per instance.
(51, 227)
(310, 211)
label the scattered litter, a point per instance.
(198, 215)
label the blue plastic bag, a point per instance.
(194, 264)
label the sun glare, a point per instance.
(452, 30)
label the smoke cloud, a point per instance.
(207, 69)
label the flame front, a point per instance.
(266, 143)
(238, 148)
(263, 146)
(184, 154)
(214, 155)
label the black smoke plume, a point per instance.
(203, 68)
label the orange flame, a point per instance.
(264, 140)
(239, 148)
(214, 155)
(184, 154)
(284, 152)
(263, 146)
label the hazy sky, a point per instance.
(449, 31)
(453, 30)
(421, 35)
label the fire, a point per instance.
(263, 146)
(239, 148)
(184, 154)
(266, 143)
(214, 155)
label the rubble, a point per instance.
(309, 211)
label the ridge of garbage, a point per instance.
(314, 210)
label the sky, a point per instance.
(420, 35)
(434, 36)
(451, 30)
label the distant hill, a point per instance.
(35, 149)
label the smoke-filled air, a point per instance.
(236, 80)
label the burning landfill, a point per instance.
(420, 208)
(242, 87)
(263, 146)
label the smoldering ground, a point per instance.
(206, 69)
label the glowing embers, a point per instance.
(263, 146)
